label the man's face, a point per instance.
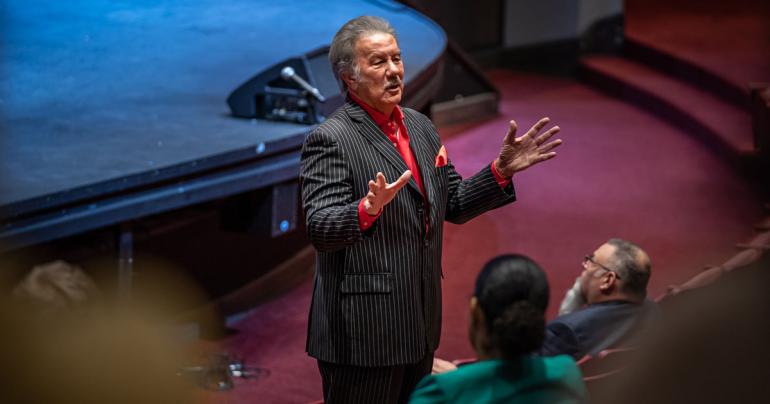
(380, 82)
(591, 277)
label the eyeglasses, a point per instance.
(590, 258)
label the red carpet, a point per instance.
(721, 123)
(728, 38)
(620, 172)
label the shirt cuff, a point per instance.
(502, 181)
(365, 220)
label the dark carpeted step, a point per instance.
(717, 45)
(697, 110)
(636, 47)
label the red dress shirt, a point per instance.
(393, 127)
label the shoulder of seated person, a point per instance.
(561, 367)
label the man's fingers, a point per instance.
(547, 156)
(550, 146)
(401, 181)
(537, 127)
(511, 135)
(547, 135)
(381, 183)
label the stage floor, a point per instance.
(101, 96)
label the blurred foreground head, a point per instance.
(508, 308)
(63, 340)
(711, 348)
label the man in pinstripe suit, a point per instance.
(375, 318)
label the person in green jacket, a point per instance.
(507, 327)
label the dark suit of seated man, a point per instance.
(612, 288)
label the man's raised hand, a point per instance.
(520, 153)
(381, 193)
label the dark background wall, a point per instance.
(473, 25)
(507, 33)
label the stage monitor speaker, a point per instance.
(268, 212)
(270, 96)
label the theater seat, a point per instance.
(599, 371)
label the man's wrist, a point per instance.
(501, 180)
(500, 172)
(365, 219)
(368, 208)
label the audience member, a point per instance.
(507, 326)
(611, 296)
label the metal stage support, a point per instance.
(125, 261)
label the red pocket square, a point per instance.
(441, 158)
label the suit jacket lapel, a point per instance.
(373, 134)
(420, 143)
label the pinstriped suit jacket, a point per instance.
(377, 294)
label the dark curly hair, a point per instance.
(512, 291)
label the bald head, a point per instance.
(617, 270)
(633, 265)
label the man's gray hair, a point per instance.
(633, 266)
(342, 54)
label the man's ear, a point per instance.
(347, 78)
(609, 283)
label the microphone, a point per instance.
(287, 73)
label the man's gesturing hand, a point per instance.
(518, 154)
(381, 193)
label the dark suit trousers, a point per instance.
(359, 384)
